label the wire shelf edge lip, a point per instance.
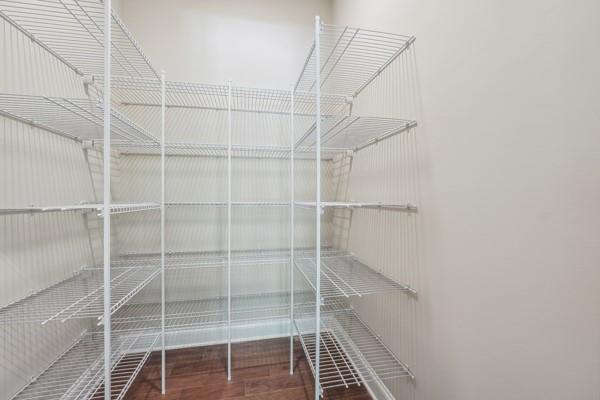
(191, 149)
(372, 205)
(115, 208)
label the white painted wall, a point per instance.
(506, 94)
(259, 43)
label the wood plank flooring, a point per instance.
(260, 371)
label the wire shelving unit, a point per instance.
(342, 350)
(89, 39)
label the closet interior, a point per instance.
(141, 214)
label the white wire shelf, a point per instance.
(221, 150)
(345, 276)
(353, 132)
(116, 208)
(73, 32)
(350, 58)
(212, 312)
(207, 260)
(147, 93)
(218, 259)
(80, 296)
(79, 119)
(352, 205)
(78, 373)
(350, 353)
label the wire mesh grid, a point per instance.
(126, 369)
(75, 118)
(350, 353)
(80, 296)
(353, 132)
(350, 58)
(73, 31)
(219, 258)
(146, 92)
(345, 276)
(212, 312)
(78, 372)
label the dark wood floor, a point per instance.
(260, 371)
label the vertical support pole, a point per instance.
(292, 230)
(162, 233)
(107, 197)
(229, 230)
(318, 205)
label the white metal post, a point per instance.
(229, 231)
(107, 197)
(318, 205)
(162, 232)
(292, 230)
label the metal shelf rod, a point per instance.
(292, 196)
(318, 390)
(163, 383)
(107, 196)
(375, 205)
(229, 142)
